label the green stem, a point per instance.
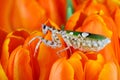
(69, 9)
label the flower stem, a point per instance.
(69, 9)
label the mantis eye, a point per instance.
(44, 28)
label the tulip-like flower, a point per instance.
(23, 59)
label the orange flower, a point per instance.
(22, 58)
(17, 38)
(72, 69)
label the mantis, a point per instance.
(83, 41)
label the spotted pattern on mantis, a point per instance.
(83, 41)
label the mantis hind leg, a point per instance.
(65, 49)
(56, 39)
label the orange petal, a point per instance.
(78, 4)
(2, 35)
(77, 66)
(112, 4)
(94, 7)
(61, 70)
(10, 66)
(2, 74)
(96, 21)
(91, 55)
(22, 68)
(75, 21)
(115, 39)
(93, 68)
(108, 53)
(19, 65)
(35, 68)
(28, 14)
(8, 47)
(31, 47)
(56, 10)
(109, 72)
(19, 32)
(5, 12)
(12, 40)
(84, 58)
(117, 19)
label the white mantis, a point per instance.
(83, 41)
